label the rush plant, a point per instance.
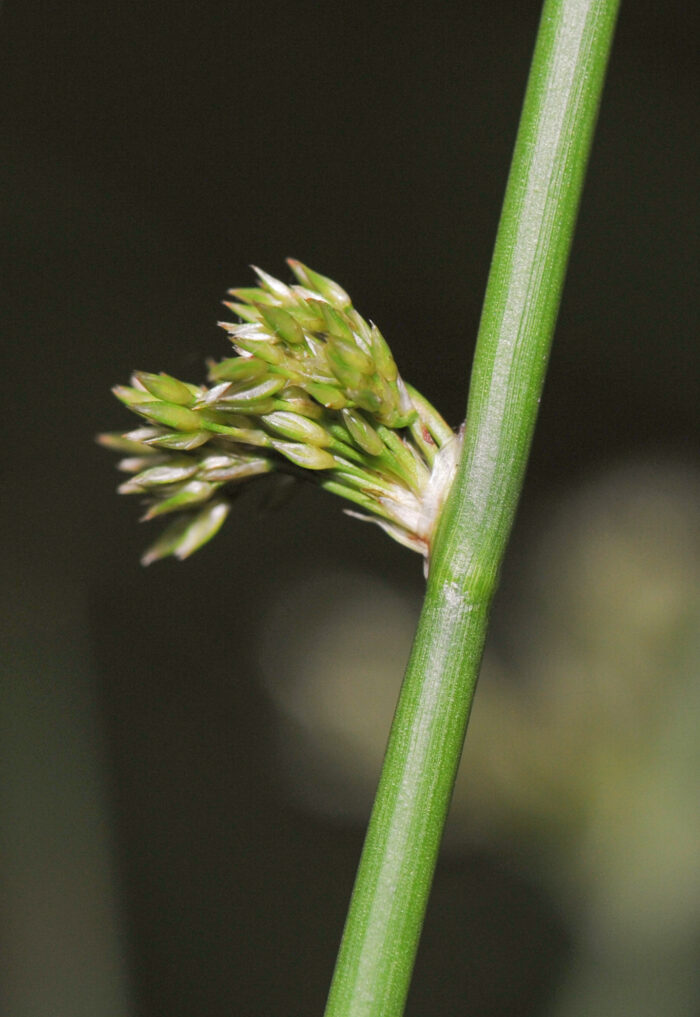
(313, 390)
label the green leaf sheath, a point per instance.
(381, 935)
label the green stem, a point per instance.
(381, 934)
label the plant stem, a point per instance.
(381, 934)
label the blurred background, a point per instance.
(188, 752)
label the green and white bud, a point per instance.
(296, 401)
(320, 284)
(237, 369)
(362, 433)
(344, 352)
(169, 414)
(158, 476)
(225, 468)
(298, 428)
(123, 443)
(193, 493)
(283, 324)
(132, 396)
(135, 464)
(384, 361)
(188, 533)
(327, 395)
(307, 456)
(205, 525)
(273, 286)
(181, 441)
(244, 393)
(169, 389)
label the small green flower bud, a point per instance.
(267, 351)
(225, 469)
(359, 325)
(335, 322)
(131, 396)
(218, 461)
(274, 286)
(212, 395)
(307, 456)
(144, 434)
(296, 427)
(134, 464)
(398, 420)
(165, 387)
(296, 401)
(362, 433)
(170, 415)
(245, 435)
(388, 398)
(254, 295)
(188, 533)
(308, 312)
(191, 493)
(205, 525)
(237, 369)
(349, 355)
(282, 324)
(333, 293)
(349, 377)
(385, 363)
(168, 540)
(182, 441)
(254, 409)
(327, 395)
(244, 393)
(242, 310)
(365, 399)
(157, 476)
(123, 443)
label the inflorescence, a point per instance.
(313, 391)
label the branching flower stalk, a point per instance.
(313, 391)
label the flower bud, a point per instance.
(296, 427)
(170, 415)
(307, 456)
(274, 286)
(327, 395)
(283, 324)
(182, 441)
(329, 289)
(169, 389)
(237, 369)
(188, 533)
(123, 443)
(190, 494)
(362, 433)
(348, 354)
(172, 473)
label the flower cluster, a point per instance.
(312, 390)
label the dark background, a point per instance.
(150, 153)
